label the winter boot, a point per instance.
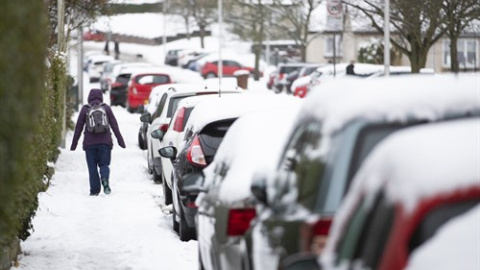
(106, 187)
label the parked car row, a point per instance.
(207, 63)
(299, 78)
(363, 174)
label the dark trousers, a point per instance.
(98, 157)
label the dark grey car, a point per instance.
(336, 130)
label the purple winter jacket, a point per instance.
(96, 97)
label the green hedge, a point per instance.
(32, 96)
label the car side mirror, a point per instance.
(146, 118)
(192, 183)
(301, 261)
(259, 188)
(157, 134)
(168, 152)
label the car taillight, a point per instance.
(163, 127)
(195, 153)
(135, 90)
(313, 236)
(178, 125)
(239, 221)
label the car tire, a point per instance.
(167, 193)
(129, 109)
(186, 233)
(210, 75)
(174, 219)
(141, 143)
(157, 178)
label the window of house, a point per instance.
(329, 45)
(467, 53)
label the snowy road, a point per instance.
(126, 230)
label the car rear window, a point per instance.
(436, 218)
(288, 69)
(123, 78)
(349, 149)
(173, 104)
(212, 135)
(152, 79)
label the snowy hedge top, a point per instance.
(252, 145)
(338, 102)
(233, 106)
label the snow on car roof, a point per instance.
(233, 106)
(394, 99)
(442, 250)
(252, 145)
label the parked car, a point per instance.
(305, 70)
(193, 64)
(280, 75)
(335, 131)
(204, 132)
(109, 78)
(95, 64)
(174, 136)
(227, 197)
(118, 91)
(93, 35)
(416, 187)
(141, 84)
(161, 119)
(210, 69)
(105, 78)
(172, 57)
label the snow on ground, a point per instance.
(124, 230)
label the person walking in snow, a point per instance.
(97, 119)
(116, 48)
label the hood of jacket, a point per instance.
(95, 95)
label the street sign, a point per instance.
(334, 15)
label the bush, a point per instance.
(32, 100)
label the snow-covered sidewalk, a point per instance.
(124, 230)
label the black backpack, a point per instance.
(97, 120)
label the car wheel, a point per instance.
(129, 108)
(174, 218)
(157, 178)
(141, 143)
(167, 193)
(210, 75)
(149, 162)
(186, 233)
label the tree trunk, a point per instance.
(202, 36)
(303, 52)
(258, 50)
(454, 65)
(418, 58)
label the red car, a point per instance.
(210, 69)
(93, 36)
(141, 85)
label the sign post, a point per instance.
(334, 24)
